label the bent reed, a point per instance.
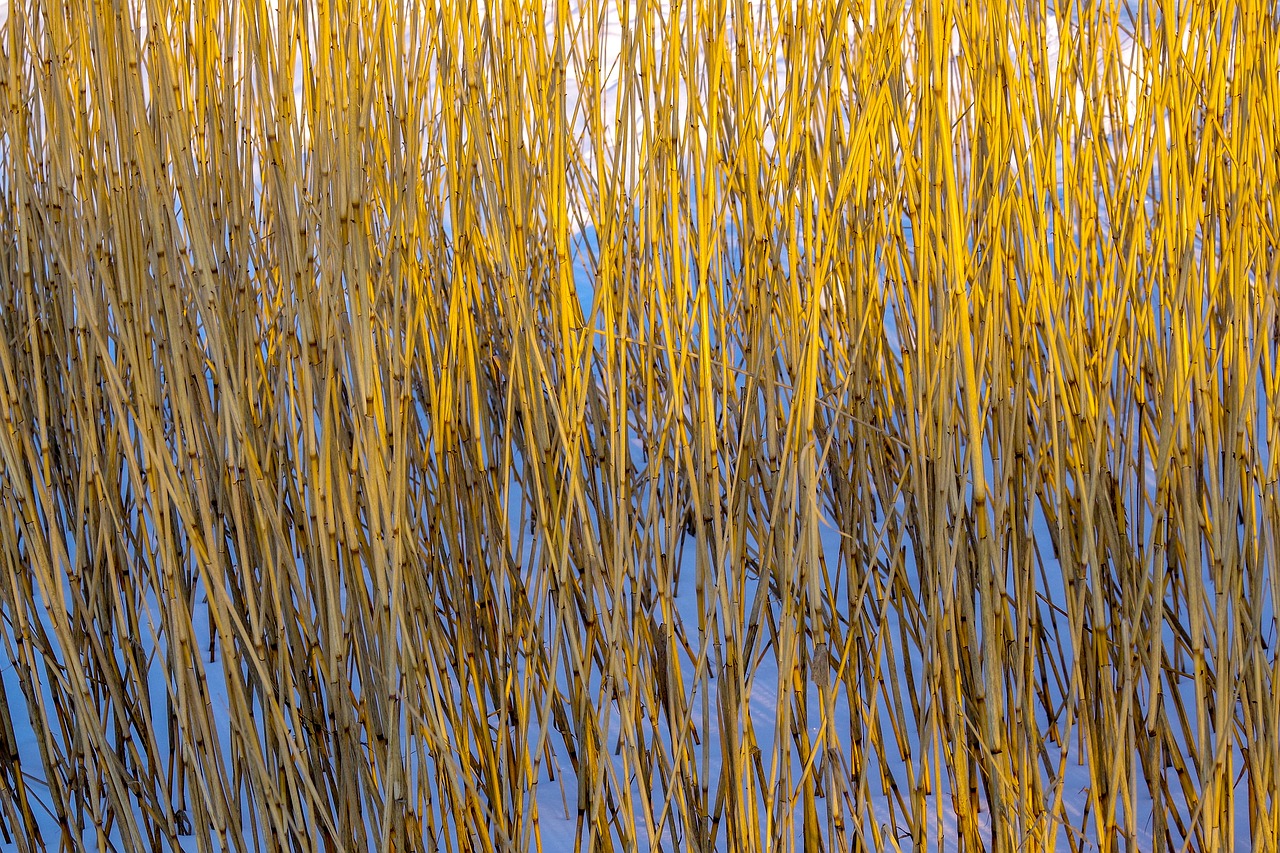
(714, 425)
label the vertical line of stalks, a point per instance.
(734, 425)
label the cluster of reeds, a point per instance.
(763, 425)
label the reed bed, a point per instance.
(721, 425)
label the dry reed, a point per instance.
(333, 518)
